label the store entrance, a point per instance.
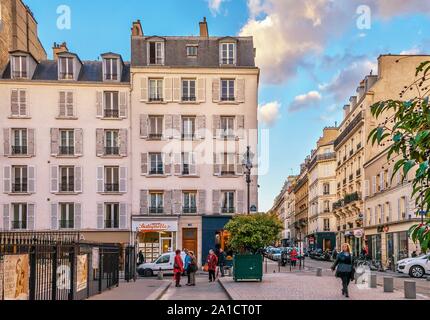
(153, 244)
(189, 239)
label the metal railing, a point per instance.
(111, 113)
(188, 209)
(19, 150)
(19, 187)
(188, 136)
(227, 61)
(67, 187)
(228, 210)
(111, 187)
(19, 225)
(66, 151)
(156, 210)
(66, 224)
(155, 136)
(188, 98)
(227, 98)
(155, 171)
(109, 151)
(349, 129)
(156, 98)
(111, 224)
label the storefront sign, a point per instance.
(359, 233)
(155, 226)
(82, 278)
(16, 277)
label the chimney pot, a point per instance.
(59, 48)
(204, 31)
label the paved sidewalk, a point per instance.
(303, 286)
(142, 289)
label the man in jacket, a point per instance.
(187, 265)
(212, 262)
(178, 268)
(221, 261)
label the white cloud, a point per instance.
(215, 6)
(305, 101)
(269, 113)
(411, 51)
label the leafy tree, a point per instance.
(250, 233)
(407, 131)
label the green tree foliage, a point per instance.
(249, 233)
(408, 133)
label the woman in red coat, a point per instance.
(212, 262)
(293, 257)
(178, 268)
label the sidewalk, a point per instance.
(142, 289)
(303, 286)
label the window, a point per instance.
(19, 67)
(326, 224)
(326, 188)
(67, 142)
(156, 53)
(227, 167)
(18, 103)
(227, 90)
(67, 179)
(188, 90)
(156, 160)
(111, 69)
(111, 179)
(155, 90)
(19, 221)
(163, 259)
(111, 215)
(67, 216)
(111, 104)
(188, 128)
(228, 53)
(227, 127)
(66, 68)
(156, 202)
(111, 142)
(155, 127)
(66, 104)
(188, 163)
(189, 202)
(326, 206)
(192, 51)
(228, 202)
(19, 179)
(19, 146)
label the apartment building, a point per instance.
(194, 114)
(301, 196)
(322, 192)
(66, 145)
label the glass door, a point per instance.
(166, 245)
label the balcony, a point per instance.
(19, 224)
(322, 157)
(111, 151)
(352, 197)
(228, 210)
(111, 187)
(344, 181)
(359, 146)
(156, 99)
(338, 185)
(351, 152)
(66, 75)
(156, 210)
(337, 205)
(351, 177)
(66, 224)
(67, 187)
(156, 171)
(19, 150)
(111, 224)
(66, 151)
(111, 76)
(155, 136)
(189, 99)
(19, 74)
(189, 210)
(111, 113)
(357, 120)
(339, 163)
(19, 187)
(188, 136)
(227, 98)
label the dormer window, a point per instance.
(111, 68)
(66, 68)
(228, 53)
(192, 51)
(156, 53)
(19, 67)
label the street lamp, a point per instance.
(247, 167)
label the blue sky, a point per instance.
(312, 54)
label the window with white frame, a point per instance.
(227, 167)
(189, 202)
(66, 68)
(19, 67)
(111, 103)
(228, 53)
(227, 90)
(228, 202)
(66, 104)
(156, 53)
(188, 163)
(67, 142)
(155, 89)
(111, 142)
(67, 179)
(155, 127)
(19, 220)
(19, 146)
(111, 179)
(67, 215)
(156, 162)
(18, 103)
(188, 127)
(111, 215)
(188, 90)
(111, 68)
(326, 188)
(156, 202)
(19, 179)
(192, 51)
(227, 127)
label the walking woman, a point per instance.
(293, 257)
(212, 262)
(192, 269)
(344, 266)
(178, 268)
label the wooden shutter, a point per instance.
(144, 89)
(216, 201)
(201, 127)
(216, 126)
(366, 188)
(144, 163)
(381, 181)
(100, 179)
(144, 202)
(31, 176)
(240, 90)
(14, 102)
(7, 179)
(144, 126)
(54, 216)
(79, 146)
(374, 185)
(6, 141)
(78, 179)
(123, 216)
(241, 202)
(123, 105)
(201, 204)
(176, 89)
(54, 179)
(78, 215)
(6, 220)
(31, 142)
(23, 103)
(201, 90)
(62, 104)
(70, 109)
(215, 90)
(168, 126)
(177, 163)
(100, 215)
(167, 161)
(217, 164)
(176, 126)
(406, 207)
(389, 177)
(123, 179)
(168, 202)
(240, 126)
(239, 167)
(177, 202)
(168, 83)
(99, 104)
(30, 216)
(399, 209)
(123, 142)
(55, 136)
(193, 163)
(100, 143)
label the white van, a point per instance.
(164, 263)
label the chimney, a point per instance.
(204, 32)
(59, 48)
(353, 101)
(136, 30)
(346, 110)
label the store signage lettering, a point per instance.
(155, 226)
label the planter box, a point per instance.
(248, 267)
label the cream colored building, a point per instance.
(301, 203)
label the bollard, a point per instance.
(160, 275)
(410, 290)
(372, 281)
(319, 272)
(388, 284)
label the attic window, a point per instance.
(156, 53)
(66, 68)
(228, 53)
(111, 69)
(19, 67)
(191, 51)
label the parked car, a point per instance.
(415, 267)
(163, 263)
(276, 254)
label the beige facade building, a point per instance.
(301, 202)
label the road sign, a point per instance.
(253, 208)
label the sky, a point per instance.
(312, 53)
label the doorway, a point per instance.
(189, 239)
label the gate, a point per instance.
(130, 263)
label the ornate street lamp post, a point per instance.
(247, 167)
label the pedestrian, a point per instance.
(293, 257)
(192, 269)
(344, 266)
(334, 254)
(212, 262)
(178, 268)
(221, 262)
(187, 261)
(141, 257)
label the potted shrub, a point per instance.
(250, 234)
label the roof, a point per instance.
(208, 51)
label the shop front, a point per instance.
(213, 234)
(397, 247)
(322, 240)
(155, 236)
(355, 239)
(190, 235)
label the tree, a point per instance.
(408, 132)
(249, 233)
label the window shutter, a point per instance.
(176, 89)
(14, 103)
(168, 83)
(54, 179)
(177, 162)
(406, 207)
(167, 161)
(54, 216)
(30, 216)
(193, 163)
(240, 202)
(144, 89)
(100, 216)
(168, 126)
(144, 202)
(399, 209)
(217, 164)
(31, 179)
(176, 126)
(123, 179)
(201, 204)
(123, 142)
(381, 181)
(239, 167)
(55, 135)
(201, 127)
(30, 142)
(78, 216)
(62, 104)
(215, 90)
(216, 126)
(216, 201)
(144, 126)
(168, 202)
(7, 179)
(78, 179)
(240, 127)
(23, 103)
(123, 215)
(100, 143)
(366, 188)
(6, 220)
(99, 104)
(201, 90)
(6, 142)
(389, 178)
(70, 109)
(100, 179)
(240, 90)
(177, 202)
(79, 137)
(373, 185)
(123, 105)
(144, 163)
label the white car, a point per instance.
(163, 263)
(415, 267)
